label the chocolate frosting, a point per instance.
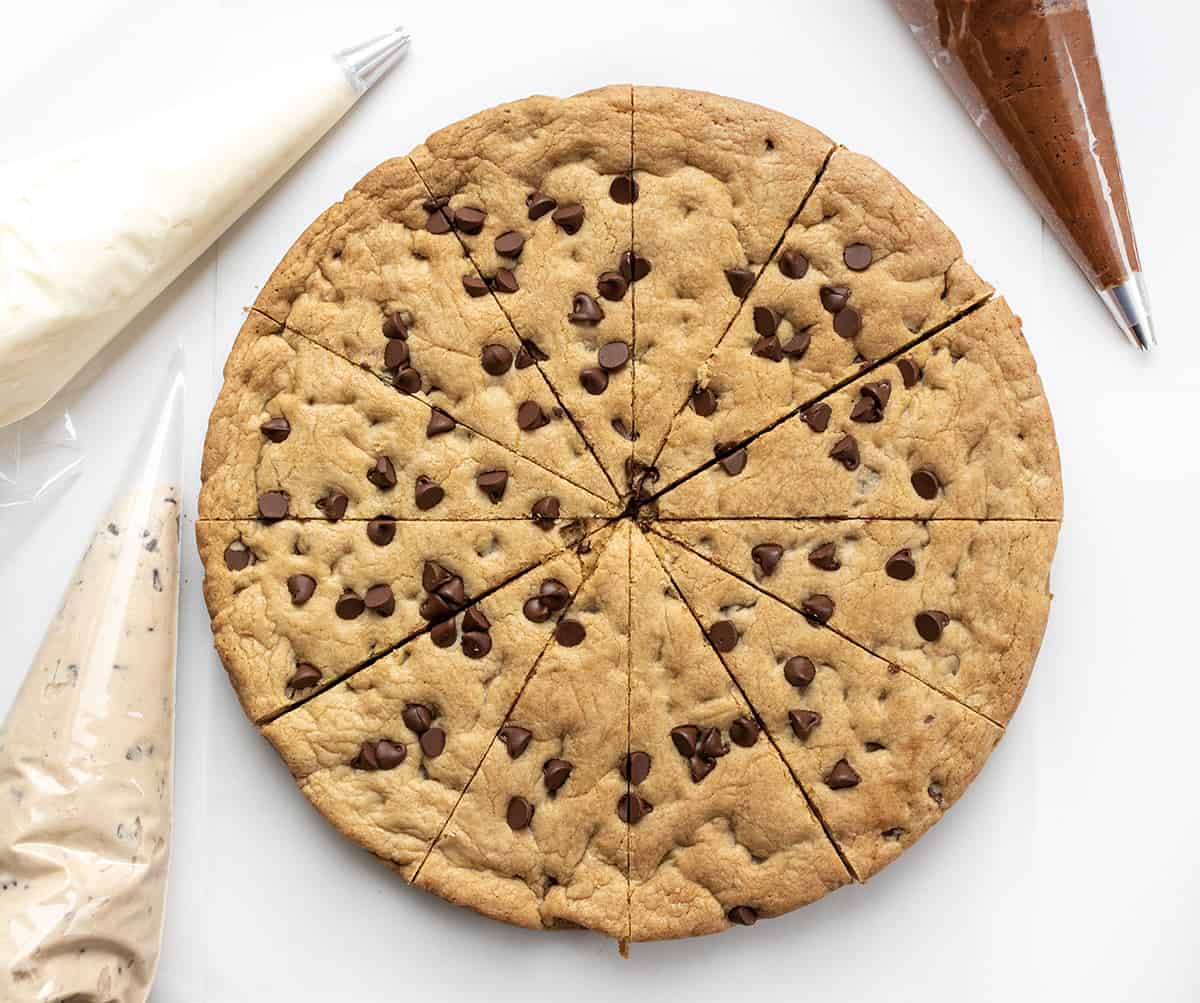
(1028, 73)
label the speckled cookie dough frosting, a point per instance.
(630, 512)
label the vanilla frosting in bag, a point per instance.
(89, 235)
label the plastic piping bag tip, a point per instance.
(365, 63)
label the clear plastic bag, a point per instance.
(40, 457)
(86, 752)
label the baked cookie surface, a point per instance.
(630, 512)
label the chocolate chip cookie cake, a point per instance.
(630, 512)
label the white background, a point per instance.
(1069, 872)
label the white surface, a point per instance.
(1067, 873)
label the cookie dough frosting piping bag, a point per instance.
(89, 235)
(1028, 74)
(86, 754)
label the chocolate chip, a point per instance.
(619, 426)
(767, 556)
(901, 565)
(632, 808)
(439, 424)
(594, 380)
(880, 392)
(273, 504)
(612, 286)
(865, 410)
(515, 738)
(530, 416)
(539, 203)
(845, 451)
(510, 244)
(712, 745)
(568, 218)
(825, 557)
(476, 643)
(817, 417)
(305, 677)
(469, 219)
(585, 310)
(493, 483)
(444, 633)
(434, 607)
(741, 281)
(395, 327)
(623, 190)
(857, 257)
(699, 768)
(475, 286)
(766, 321)
(633, 266)
(685, 737)
(704, 402)
(934, 790)
(554, 594)
(724, 635)
(834, 298)
(742, 915)
(528, 354)
(417, 717)
(383, 474)
(349, 606)
(744, 731)
(495, 359)
(519, 814)
(555, 773)
(434, 576)
(453, 591)
(613, 355)
(333, 505)
(407, 381)
(925, 483)
(569, 633)
(803, 722)
(768, 347)
(427, 493)
(438, 221)
(237, 556)
(395, 354)
(545, 511)
(381, 754)
(793, 264)
(635, 767)
(476, 619)
(379, 599)
(735, 462)
(818, 608)
(301, 588)
(930, 623)
(797, 345)
(910, 372)
(433, 743)
(847, 322)
(276, 429)
(381, 530)
(535, 610)
(505, 281)
(799, 671)
(842, 775)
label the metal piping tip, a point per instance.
(364, 64)
(1129, 305)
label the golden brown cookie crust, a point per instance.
(631, 512)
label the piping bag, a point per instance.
(89, 235)
(1028, 74)
(86, 752)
